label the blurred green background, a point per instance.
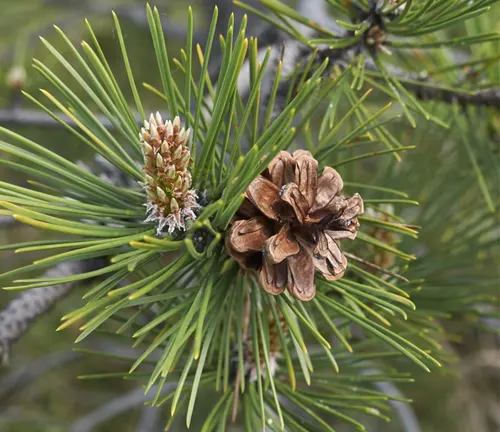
(39, 391)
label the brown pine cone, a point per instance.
(290, 225)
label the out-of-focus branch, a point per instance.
(30, 372)
(404, 411)
(6, 221)
(427, 90)
(135, 13)
(477, 393)
(430, 90)
(487, 98)
(17, 316)
(21, 116)
(407, 417)
(116, 407)
(317, 11)
(150, 420)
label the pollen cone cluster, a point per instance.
(290, 225)
(171, 201)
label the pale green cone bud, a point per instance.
(152, 121)
(158, 119)
(147, 149)
(145, 135)
(178, 183)
(177, 153)
(171, 172)
(154, 132)
(177, 123)
(174, 206)
(169, 129)
(159, 160)
(185, 158)
(161, 194)
(164, 147)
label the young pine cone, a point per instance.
(166, 161)
(290, 225)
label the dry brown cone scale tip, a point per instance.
(290, 225)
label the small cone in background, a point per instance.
(16, 77)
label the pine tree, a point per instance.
(285, 234)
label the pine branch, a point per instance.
(291, 53)
(431, 90)
(23, 310)
(266, 33)
(428, 90)
(29, 305)
(370, 41)
(30, 372)
(115, 407)
(482, 98)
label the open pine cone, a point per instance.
(290, 224)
